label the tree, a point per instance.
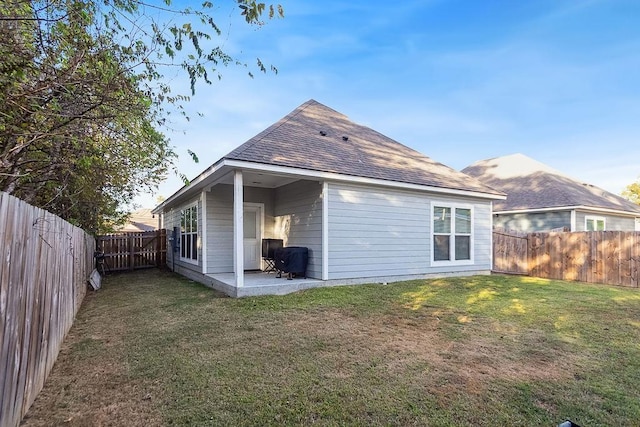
(632, 192)
(83, 101)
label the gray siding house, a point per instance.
(367, 208)
(540, 198)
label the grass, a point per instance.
(152, 348)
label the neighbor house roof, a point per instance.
(140, 220)
(316, 137)
(531, 185)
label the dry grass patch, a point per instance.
(90, 384)
(399, 342)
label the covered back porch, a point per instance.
(241, 208)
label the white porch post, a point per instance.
(238, 229)
(325, 231)
(491, 221)
(203, 229)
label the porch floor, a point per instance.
(261, 283)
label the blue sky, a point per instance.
(458, 80)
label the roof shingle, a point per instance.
(316, 137)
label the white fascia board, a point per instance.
(318, 175)
(567, 208)
(158, 209)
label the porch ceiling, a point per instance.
(259, 179)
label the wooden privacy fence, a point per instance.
(129, 251)
(44, 270)
(609, 257)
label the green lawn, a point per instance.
(151, 348)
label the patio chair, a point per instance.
(269, 247)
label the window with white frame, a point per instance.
(594, 223)
(452, 233)
(189, 233)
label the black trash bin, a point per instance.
(292, 260)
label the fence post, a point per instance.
(158, 248)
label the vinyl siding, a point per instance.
(545, 221)
(298, 220)
(612, 222)
(220, 229)
(372, 231)
(482, 235)
(381, 232)
(531, 222)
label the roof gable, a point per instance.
(531, 185)
(318, 138)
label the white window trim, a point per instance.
(260, 208)
(453, 262)
(180, 257)
(595, 218)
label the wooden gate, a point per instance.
(510, 252)
(129, 251)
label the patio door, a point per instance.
(252, 235)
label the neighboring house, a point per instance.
(540, 198)
(368, 209)
(140, 220)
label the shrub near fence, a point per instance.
(609, 257)
(44, 271)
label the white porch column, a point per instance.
(325, 231)
(203, 229)
(238, 228)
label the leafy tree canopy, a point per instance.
(632, 192)
(83, 100)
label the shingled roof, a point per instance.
(317, 138)
(532, 185)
